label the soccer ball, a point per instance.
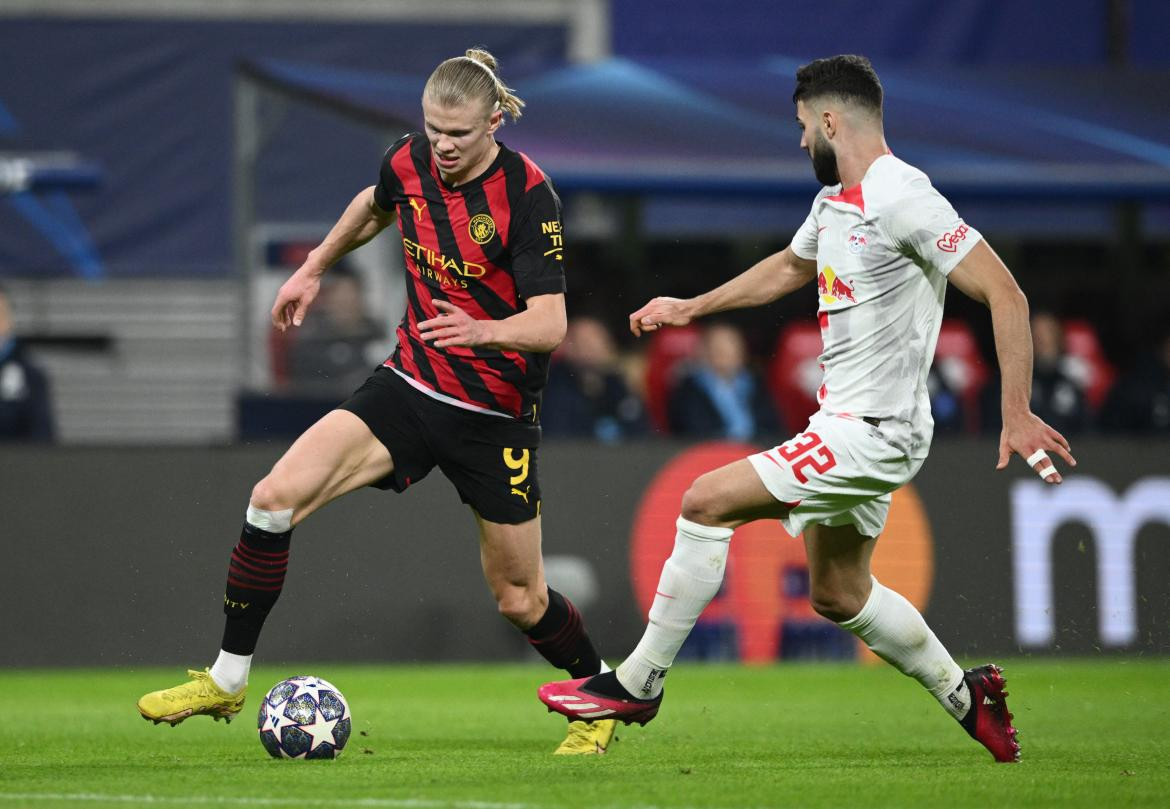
(304, 717)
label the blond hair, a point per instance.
(472, 77)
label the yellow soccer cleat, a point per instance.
(587, 738)
(199, 696)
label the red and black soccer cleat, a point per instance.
(576, 700)
(988, 720)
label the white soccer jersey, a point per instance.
(883, 250)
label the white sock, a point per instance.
(230, 672)
(604, 667)
(274, 522)
(690, 579)
(897, 633)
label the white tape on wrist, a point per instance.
(1046, 471)
(1037, 456)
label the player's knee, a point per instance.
(522, 607)
(270, 495)
(835, 604)
(702, 504)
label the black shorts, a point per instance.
(490, 459)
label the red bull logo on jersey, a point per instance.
(857, 240)
(832, 288)
(950, 241)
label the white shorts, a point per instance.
(839, 471)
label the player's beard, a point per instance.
(824, 161)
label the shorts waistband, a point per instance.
(439, 397)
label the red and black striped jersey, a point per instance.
(485, 246)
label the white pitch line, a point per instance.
(390, 803)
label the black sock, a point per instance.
(560, 638)
(608, 685)
(254, 581)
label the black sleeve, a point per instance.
(537, 242)
(388, 193)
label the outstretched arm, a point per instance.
(769, 280)
(361, 221)
(983, 276)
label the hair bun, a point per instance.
(483, 57)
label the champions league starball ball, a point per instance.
(304, 717)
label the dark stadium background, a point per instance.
(163, 166)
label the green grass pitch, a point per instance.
(1094, 734)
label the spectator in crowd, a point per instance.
(1058, 395)
(1140, 401)
(721, 397)
(587, 395)
(330, 353)
(26, 412)
(946, 405)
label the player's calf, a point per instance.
(255, 577)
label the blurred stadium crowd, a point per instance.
(703, 382)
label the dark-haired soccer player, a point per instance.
(881, 243)
(481, 233)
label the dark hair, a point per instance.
(849, 77)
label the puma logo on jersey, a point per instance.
(419, 206)
(523, 494)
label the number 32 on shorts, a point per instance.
(807, 450)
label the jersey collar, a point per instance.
(852, 195)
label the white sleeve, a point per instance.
(925, 227)
(804, 243)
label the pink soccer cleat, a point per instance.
(988, 720)
(576, 700)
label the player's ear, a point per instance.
(495, 120)
(829, 122)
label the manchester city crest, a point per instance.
(481, 228)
